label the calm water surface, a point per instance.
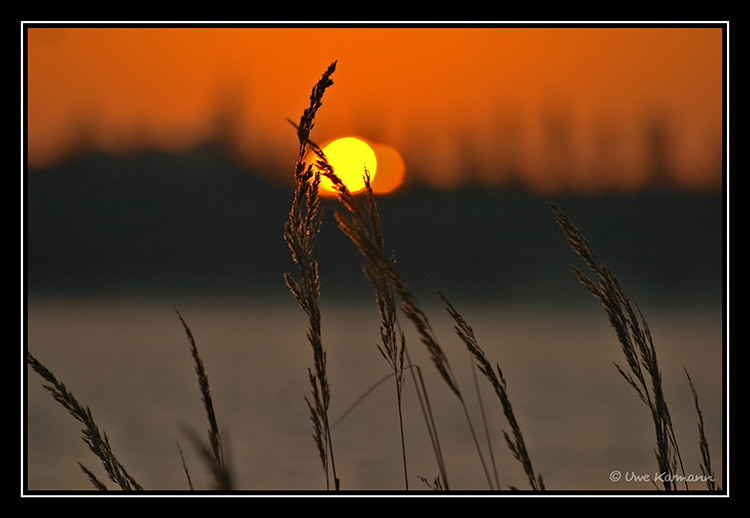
(129, 362)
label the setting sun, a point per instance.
(349, 156)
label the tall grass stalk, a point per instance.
(185, 468)
(214, 454)
(364, 232)
(300, 232)
(706, 470)
(393, 342)
(487, 435)
(95, 439)
(424, 404)
(516, 444)
(633, 333)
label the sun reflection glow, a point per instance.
(391, 170)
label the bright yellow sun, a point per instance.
(349, 156)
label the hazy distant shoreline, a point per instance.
(156, 224)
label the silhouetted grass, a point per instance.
(360, 222)
(516, 444)
(214, 453)
(98, 443)
(363, 228)
(96, 440)
(643, 373)
(705, 466)
(300, 233)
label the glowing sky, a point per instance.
(588, 109)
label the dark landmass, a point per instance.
(199, 225)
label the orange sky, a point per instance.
(553, 109)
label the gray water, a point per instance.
(129, 361)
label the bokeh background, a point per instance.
(158, 174)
